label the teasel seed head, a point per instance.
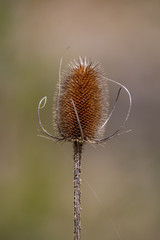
(82, 102)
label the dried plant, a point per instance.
(81, 115)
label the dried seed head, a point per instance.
(82, 102)
(82, 105)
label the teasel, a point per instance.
(81, 115)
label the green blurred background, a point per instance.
(120, 182)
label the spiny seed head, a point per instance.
(82, 102)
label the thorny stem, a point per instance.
(77, 191)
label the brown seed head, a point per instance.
(82, 104)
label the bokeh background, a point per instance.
(121, 181)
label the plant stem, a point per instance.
(77, 191)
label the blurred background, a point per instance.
(120, 181)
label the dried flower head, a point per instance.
(81, 111)
(82, 101)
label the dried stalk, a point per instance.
(77, 190)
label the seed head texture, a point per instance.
(83, 101)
